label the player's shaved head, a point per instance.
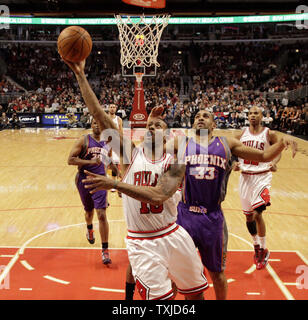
(210, 114)
(255, 116)
(255, 109)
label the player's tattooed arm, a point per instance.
(167, 185)
(170, 181)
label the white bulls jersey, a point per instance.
(258, 141)
(143, 216)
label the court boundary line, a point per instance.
(277, 280)
(279, 283)
(21, 250)
(272, 272)
(302, 257)
(99, 248)
(120, 206)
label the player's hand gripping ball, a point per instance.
(74, 44)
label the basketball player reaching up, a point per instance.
(158, 248)
(255, 183)
(207, 165)
(89, 153)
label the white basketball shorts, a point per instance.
(158, 257)
(254, 190)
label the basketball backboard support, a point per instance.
(147, 71)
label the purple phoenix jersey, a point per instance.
(204, 188)
(207, 173)
(92, 149)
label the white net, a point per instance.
(139, 38)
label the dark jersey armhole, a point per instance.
(84, 149)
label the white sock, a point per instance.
(255, 240)
(262, 242)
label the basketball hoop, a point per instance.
(139, 39)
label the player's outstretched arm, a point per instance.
(167, 185)
(89, 96)
(273, 138)
(244, 152)
(91, 101)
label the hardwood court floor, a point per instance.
(40, 213)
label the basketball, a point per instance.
(74, 44)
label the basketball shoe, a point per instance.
(90, 236)
(105, 256)
(257, 252)
(263, 258)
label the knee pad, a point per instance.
(252, 227)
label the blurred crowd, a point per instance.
(231, 110)
(222, 79)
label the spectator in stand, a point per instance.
(121, 113)
(4, 121)
(295, 120)
(290, 117)
(303, 123)
(219, 118)
(48, 109)
(169, 119)
(185, 119)
(72, 108)
(85, 120)
(285, 101)
(177, 119)
(276, 119)
(268, 120)
(233, 122)
(284, 119)
(15, 123)
(72, 121)
(55, 106)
